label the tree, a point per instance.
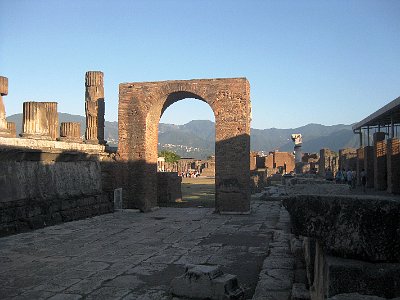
(169, 156)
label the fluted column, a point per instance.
(12, 129)
(94, 107)
(4, 132)
(52, 118)
(35, 124)
(70, 132)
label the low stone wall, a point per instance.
(50, 185)
(168, 187)
(258, 181)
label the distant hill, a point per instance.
(197, 138)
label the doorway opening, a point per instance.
(186, 148)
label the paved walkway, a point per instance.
(131, 255)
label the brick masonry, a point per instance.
(393, 165)
(380, 164)
(140, 108)
(369, 165)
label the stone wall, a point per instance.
(352, 244)
(380, 164)
(348, 159)
(168, 187)
(328, 160)
(393, 165)
(49, 186)
(369, 165)
(281, 161)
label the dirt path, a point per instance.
(196, 192)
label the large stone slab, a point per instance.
(336, 276)
(360, 227)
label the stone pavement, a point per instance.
(132, 255)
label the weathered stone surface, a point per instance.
(50, 145)
(168, 187)
(206, 282)
(45, 187)
(94, 107)
(140, 108)
(339, 275)
(356, 296)
(300, 292)
(361, 227)
(4, 131)
(35, 123)
(70, 132)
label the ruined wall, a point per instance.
(393, 165)
(328, 160)
(360, 164)
(348, 159)
(380, 164)
(369, 165)
(140, 108)
(253, 160)
(168, 187)
(48, 186)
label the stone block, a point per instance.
(206, 282)
(300, 292)
(339, 276)
(118, 198)
(360, 227)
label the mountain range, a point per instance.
(197, 138)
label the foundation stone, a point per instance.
(360, 227)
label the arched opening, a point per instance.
(141, 105)
(186, 150)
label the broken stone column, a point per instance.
(35, 124)
(70, 132)
(94, 107)
(52, 118)
(12, 129)
(4, 132)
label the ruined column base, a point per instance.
(35, 136)
(5, 133)
(69, 140)
(96, 142)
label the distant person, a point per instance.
(363, 175)
(354, 179)
(344, 176)
(349, 177)
(338, 176)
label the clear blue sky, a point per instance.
(326, 62)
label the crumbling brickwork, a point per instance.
(360, 164)
(380, 167)
(348, 158)
(393, 165)
(140, 108)
(328, 159)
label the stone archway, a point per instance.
(141, 105)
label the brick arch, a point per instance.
(141, 105)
